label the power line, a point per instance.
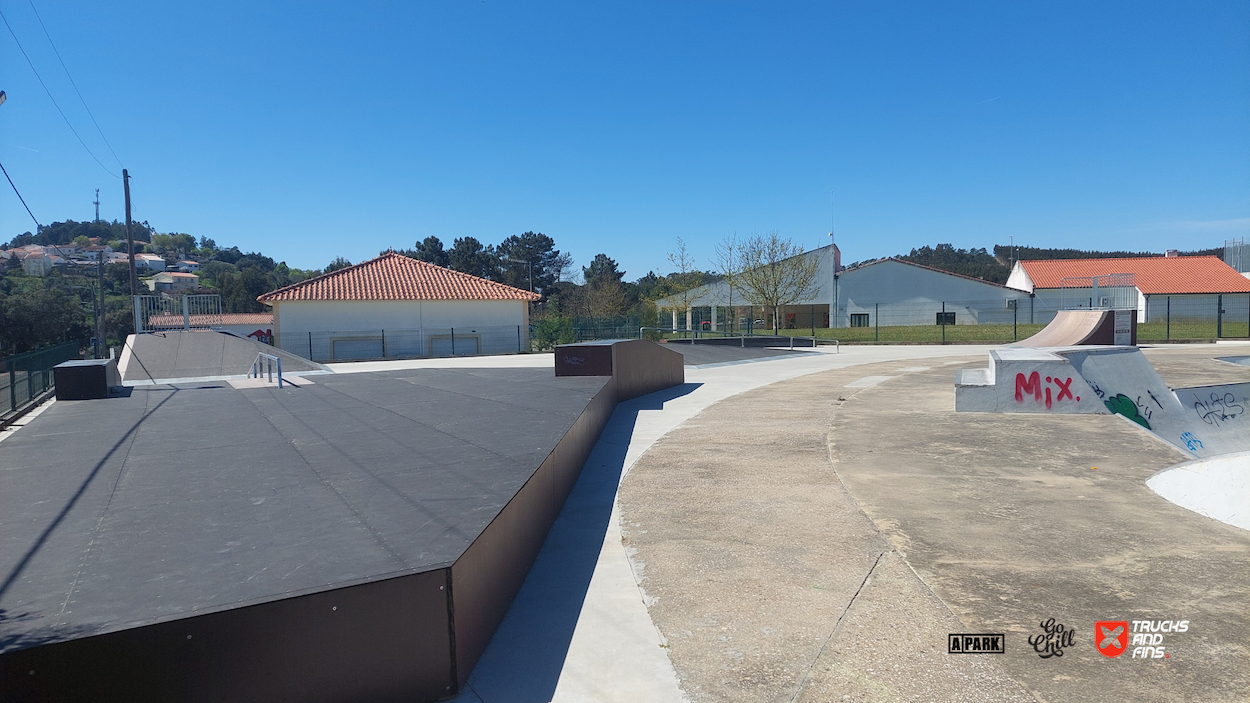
(49, 92)
(71, 82)
(19, 197)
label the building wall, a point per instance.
(342, 329)
(901, 293)
(913, 296)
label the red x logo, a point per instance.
(1064, 388)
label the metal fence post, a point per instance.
(1168, 334)
(943, 322)
(186, 313)
(813, 322)
(453, 341)
(383, 344)
(1015, 322)
(12, 387)
(1219, 316)
(518, 338)
(876, 318)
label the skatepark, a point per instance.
(804, 525)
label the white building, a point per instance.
(1164, 287)
(151, 262)
(172, 281)
(885, 292)
(395, 306)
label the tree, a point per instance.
(602, 270)
(518, 253)
(686, 278)
(338, 263)
(726, 264)
(773, 272)
(467, 255)
(431, 250)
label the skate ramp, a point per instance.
(1202, 421)
(1218, 488)
(199, 354)
(1081, 327)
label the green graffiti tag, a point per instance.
(1120, 404)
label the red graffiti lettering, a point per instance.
(1048, 398)
(1064, 389)
(1031, 385)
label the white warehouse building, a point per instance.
(395, 306)
(883, 292)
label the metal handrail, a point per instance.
(837, 347)
(270, 362)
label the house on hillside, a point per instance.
(395, 306)
(187, 266)
(96, 251)
(173, 282)
(884, 292)
(36, 264)
(150, 262)
(1165, 287)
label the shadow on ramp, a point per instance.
(524, 660)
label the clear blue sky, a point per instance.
(315, 130)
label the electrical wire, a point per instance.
(49, 92)
(71, 82)
(38, 226)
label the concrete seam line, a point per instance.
(958, 619)
(836, 626)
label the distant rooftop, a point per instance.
(1156, 275)
(394, 276)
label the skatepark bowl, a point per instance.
(741, 530)
(346, 537)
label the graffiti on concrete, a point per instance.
(1220, 408)
(1097, 391)
(1032, 385)
(1120, 404)
(1192, 443)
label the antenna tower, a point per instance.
(97, 205)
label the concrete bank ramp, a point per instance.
(1218, 487)
(198, 354)
(1203, 421)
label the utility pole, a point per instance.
(99, 321)
(130, 237)
(97, 205)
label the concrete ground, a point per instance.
(776, 546)
(580, 630)
(817, 539)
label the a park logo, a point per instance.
(975, 644)
(1111, 637)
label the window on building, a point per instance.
(945, 318)
(859, 320)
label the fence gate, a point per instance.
(1115, 291)
(155, 313)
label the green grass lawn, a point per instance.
(998, 334)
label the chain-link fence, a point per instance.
(362, 345)
(25, 378)
(1194, 317)
(1001, 321)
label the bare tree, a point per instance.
(686, 278)
(773, 272)
(726, 264)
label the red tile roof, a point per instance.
(1156, 275)
(394, 276)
